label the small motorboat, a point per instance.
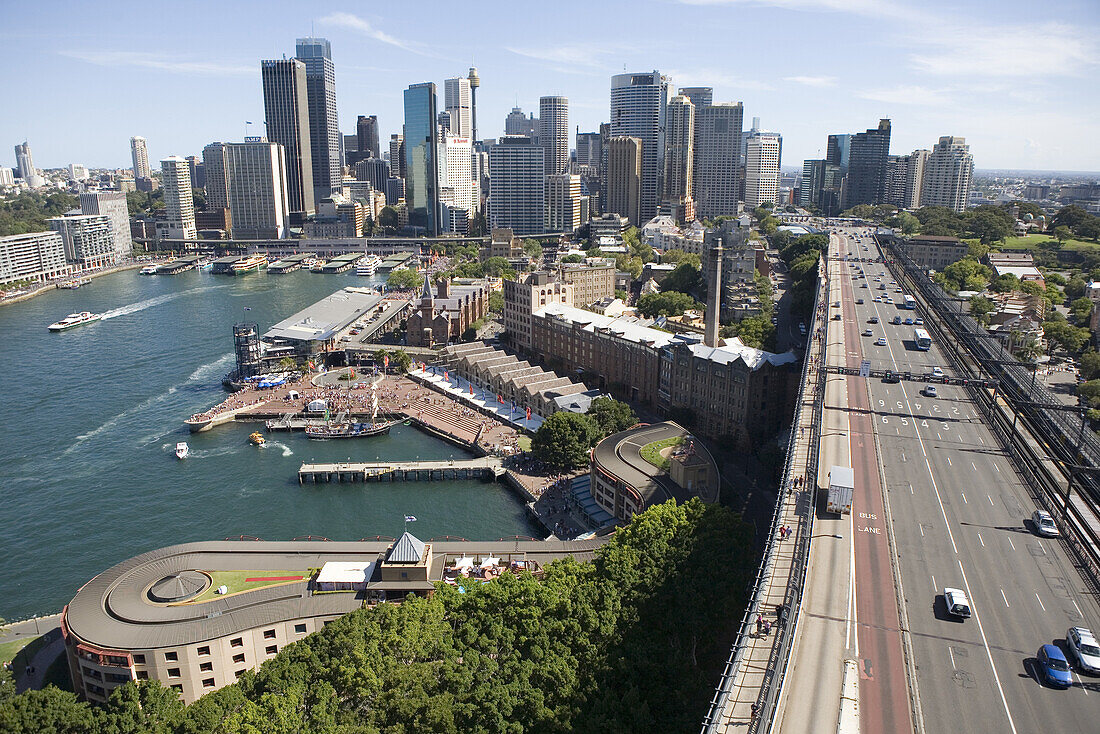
(257, 439)
(182, 451)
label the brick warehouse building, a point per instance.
(441, 318)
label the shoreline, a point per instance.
(52, 286)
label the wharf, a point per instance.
(288, 264)
(341, 263)
(179, 265)
(395, 261)
(224, 265)
(483, 467)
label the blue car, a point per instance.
(1054, 667)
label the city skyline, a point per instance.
(1005, 88)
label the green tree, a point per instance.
(145, 707)
(980, 308)
(497, 267)
(403, 279)
(1005, 283)
(685, 278)
(611, 415)
(622, 295)
(989, 223)
(665, 303)
(496, 302)
(564, 438)
(1088, 229)
(573, 258)
(755, 331)
(401, 361)
(49, 710)
(1070, 216)
(28, 211)
(1090, 391)
(1075, 287)
(1080, 309)
(388, 219)
(1062, 233)
(1090, 365)
(532, 248)
(627, 264)
(1063, 334)
(780, 239)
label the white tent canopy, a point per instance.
(490, 562)
(464, 562)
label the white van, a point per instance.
(957, 603)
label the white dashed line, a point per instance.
(980, 540)
(964, 498)
(1004, 597)
(1040, 601)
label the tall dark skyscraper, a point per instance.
(839, 150)
(366, 129)
(287, 111)
(422, 157)
(867, 166)
(324, 127)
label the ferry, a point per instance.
(257, 439)
(74, 283)
(75, 319)
(182, 450)
(317, 266)
(252, 264)
(149, 270)
(368, 266)
(348, 430)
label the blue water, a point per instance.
(89, 419)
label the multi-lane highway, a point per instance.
(937, 504)
(957, 516)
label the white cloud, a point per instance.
(360, 25)
(869, 8)
(715, 78)
(812, 81)
(907, 95)
(575, 59)
(153, 61)
(1039, 51)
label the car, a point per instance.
(891, 377)
(1082, 643)
(863, 286)
(918, 322)
(929, 391)
(1054, 667)
(836, 304)
(868, 332)
(873, 320)
(837, 317)
(882, 286)
(897, 290)
(880, 342)
(859, 301)
(896, 320)
(1044, 524)
(909, 321)
(957, 603)
(802, 327)
(937, 372)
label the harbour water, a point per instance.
(89, 419)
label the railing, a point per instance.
(780, 651)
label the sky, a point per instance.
(1011, 76)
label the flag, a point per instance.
(410, 518)
(352, 373)
(471, 388)
(500, 398)
(446, 376)
(528, 414)
(386, 361)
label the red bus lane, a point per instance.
(883, 691)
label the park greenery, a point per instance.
(801, 254)
(400, 361)
(29, 211)
(564, 439)
(403, 279)
(632, 641)
(666, 303)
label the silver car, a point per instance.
(1044, 524)
(1082, 644)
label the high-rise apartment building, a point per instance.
(763, 153)
(37, 256)
(24, 163)
(366, 131)
(422, 157)
(517, 196)
(179, 206)
(914, 179)
(256, 189)
(397, 155)
(324, 127)
(78, 172)
(7, 176)
(456, 102)
(717, 159)
(554, 133)
(516, 123)
(88, 239)
(866, 181)
(947, 174)
(566, 207)
(456, 172)
(679, 160)
(638, 105)
(286, 104)
(111, 204)
(140, 156)
(624, 178)
(217, 186)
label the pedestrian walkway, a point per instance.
(483, 400)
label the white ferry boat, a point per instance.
(368, 265)
(75, 319)
(149, 270)
(182, 450)
(253, 264)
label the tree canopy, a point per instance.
(403, 278)
(29, 211)
(563, 439)
(611, 415)
(665, 303)
(685, 278)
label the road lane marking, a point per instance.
(964, 498)
(935, 586)
(980, 540)
(1004, 597)
(988, 652)
(1012, 544)
(990, 500)
(1040, 601)
(1082, 614)
(938, 436)
(1081, 684)
(952, 654)
(973, 467)
(996, 467)
(983, 443)
(949, 461)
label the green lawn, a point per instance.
(651, 452)
(524, 443)
(9, 649)
(1032, 241)
(235, 580)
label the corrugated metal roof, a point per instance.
(322, 320)
(407, 549)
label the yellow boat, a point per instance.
(257, 439)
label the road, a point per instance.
(958, 512)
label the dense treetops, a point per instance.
(29, 211)
(633, 641)
(563, 439)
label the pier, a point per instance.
(288, 264)
(486, 467)
(341, 263)
(179, 265)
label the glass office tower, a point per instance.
(421, 157)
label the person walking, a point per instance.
(759, 623)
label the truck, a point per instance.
(841, 486)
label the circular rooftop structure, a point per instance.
(179, 586)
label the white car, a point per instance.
(1082, 644)
(1044, 524)
(880, 342)
(930, 391)
(937, 372)
(957, 603)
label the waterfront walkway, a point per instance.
(485, 466)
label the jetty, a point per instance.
(179, 265)
(288, 264)
(485, 467)
(341, 263)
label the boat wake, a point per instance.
(278, 445)
(203, 453)
(150, 302)
(138, 409)
(212, 369)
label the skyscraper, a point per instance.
(566, 208)
(839, 149)
(475, 82)
(866, 182)
(699, 96)
(397, 155)
(456, 101)
(638, 105)
(456, 172)
(179, 205)
(679, 150)
(111, 204)
(589, 147)
(717, 174)
(914, 179)
(517, 197)
(140, 156)
(255, 173)
(217, 185)
(762, 159)
(422, 157)
(287, 108)
(366, 130)
(813, 177)
(624, 178)
(516, 123)
(947, 174)
(554, 133)
(324, 127)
